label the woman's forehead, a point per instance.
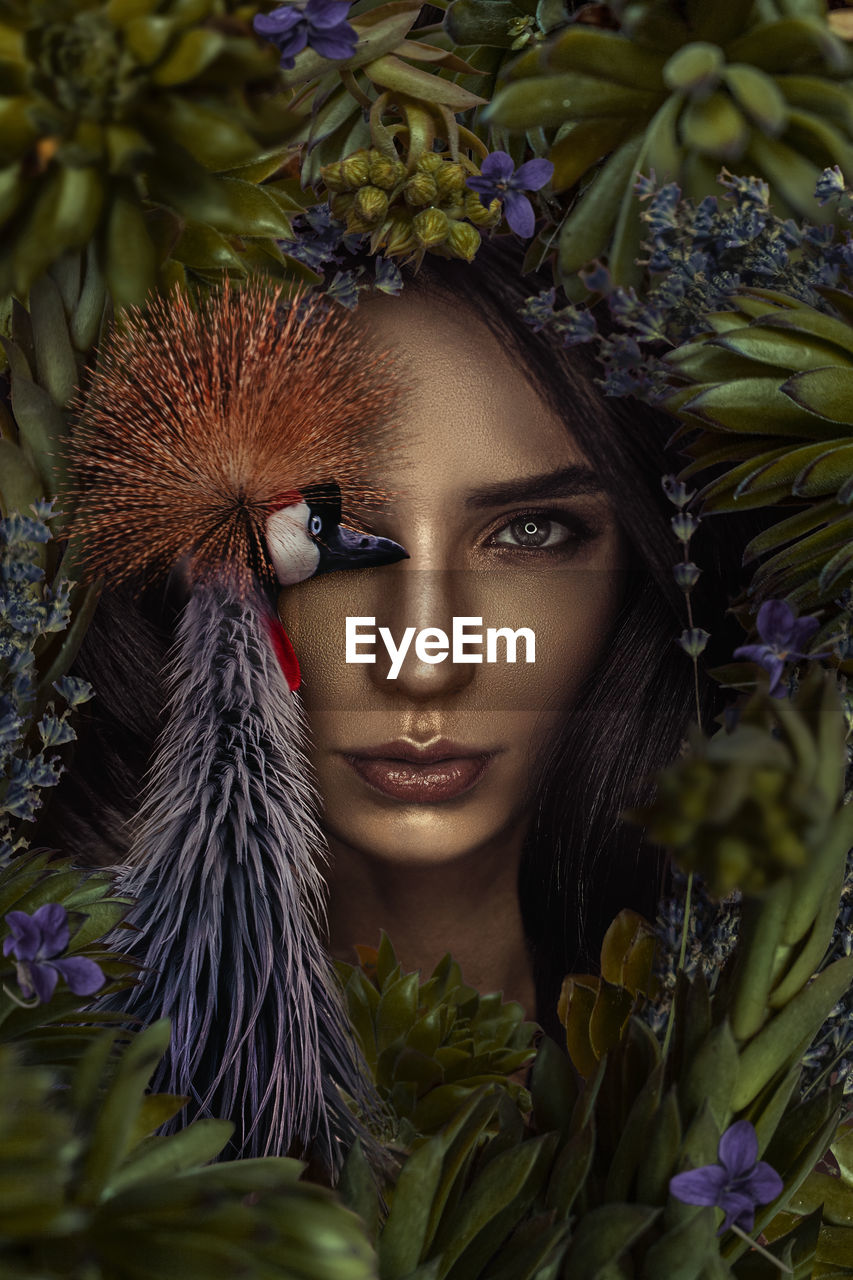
(471, 404)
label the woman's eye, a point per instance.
(315, 525)
(535, 533)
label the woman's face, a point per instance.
(506, 526)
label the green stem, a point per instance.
(681, 954)
(777, 1262)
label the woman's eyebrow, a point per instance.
(565, 482)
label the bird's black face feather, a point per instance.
(340, 547)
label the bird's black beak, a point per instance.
(343, 548)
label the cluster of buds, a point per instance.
(407, 212)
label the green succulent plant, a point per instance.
(761, 803)
(766, 394)
(390, 95)
(146, 126)
(678, 89)
(89, 1192)
(431, 1044)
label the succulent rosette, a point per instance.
(678, 90)
(114, 128)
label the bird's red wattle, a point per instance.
(285, 653)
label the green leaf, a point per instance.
(770, 1050)
(633, 1142)
(402, 1243)
(164, 1157)
(585, 233)
(680, 1254)
(607, 55)
(715, 127)
(825, 392)
(757, 406)
(20, 484)
(116, 1121)
(659, 1161)
(56, 366)
(570, 1170)
(195, 51)
(604, 1234)
(549, 101)
(392, 72)
(357, 1188)
(490, 1209)
(553, 1087)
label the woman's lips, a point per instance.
(420, 775)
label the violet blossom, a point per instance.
(37, 943)
(783, 635)
(736, 1183)
(500, 180)
(322, 24)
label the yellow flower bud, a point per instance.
(341, 203)
(333, 177)
(420, 189)
(371, 204)
(430, 162)
(479, 214)
(430, 226)
(355, 169)
(463, 239)
(450, 179)
(384, 172)
(401, 238)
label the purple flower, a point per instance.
(736, 1184)
(37, 942)
(783, 635)
(500, 180)
(322, 24)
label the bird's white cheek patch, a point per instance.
(294, 554)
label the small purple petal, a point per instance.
(739, 1208)
(327, 13)
(752, 652)
(699, 1186)
(532, 175)
(802, 630)
(486, 186)
(738, 1149)
(83, 976)
(52, 920)
(774, 623)
(25, 936)
(498, 166)
(334, 44)
(278, 23)
(764, 1183)
(519, 214)
(44, 979)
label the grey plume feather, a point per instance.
(229, 900)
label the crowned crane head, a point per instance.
(305, 538)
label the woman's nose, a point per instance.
(416, 607)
